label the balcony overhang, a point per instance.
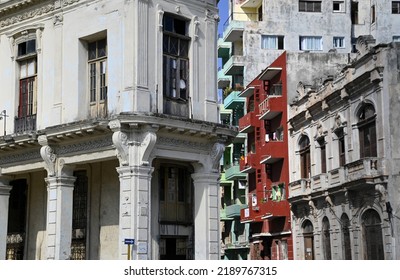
(234, 31)
(249, 91)
(251, 3)
(236, 68)
(269, 73)
(248, 169)
(269, 115)
(247, 129)
(268, 234)
(268, 159)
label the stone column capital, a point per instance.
(206, 178)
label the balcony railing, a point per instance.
(25, 124)
(237, 16)
(245, 123)
(270, 107)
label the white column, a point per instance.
(4, 200)
(206, 216)
(59, 216)
(134, 220)
(134, 147)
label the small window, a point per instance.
(395, 7)
(309, 6)
(373, 14)
(27, 47)
(310, 43)
(338, 6)
(338, 42)
(396, 38)
(272, 42)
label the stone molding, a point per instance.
(32, 13)
(120, 140)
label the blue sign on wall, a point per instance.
(129, 241)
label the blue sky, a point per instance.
(223, 14)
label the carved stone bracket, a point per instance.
(216, 154)
(48, 155)
(148, 143)
(120, 140)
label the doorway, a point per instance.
(173, 248)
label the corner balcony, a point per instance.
(272, 209)
(365, 170)
(235, 25)
(246, 123)
(271, 107)
(234, 66)
(223, 47)
(233, 173)
(223, 80)
(233, 100)
(249, 163)
(233, 211)
(299, 189)
(336, 177)
(272, 152)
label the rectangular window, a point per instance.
(396, 38)
(309, 6)
(175, 65)
(373, 14)
(323, 158)
(342, 148)
(338, 42)
(27, 103)
(338, 6)
(97, 65)
(310, 43)
(272, 42)
(395, 7)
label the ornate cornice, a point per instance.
(17, 11)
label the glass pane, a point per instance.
(31, 46)
(173, 47)
(92, 51)
(168, 23)
(92, 82)
(184, 47)
(102, 48)
(23, 70)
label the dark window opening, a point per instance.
(305, 158)
(346, 243)
(372, 236)
(309, 6)
(28, 47)
(395, 7)
(367, 131)
(354, 12)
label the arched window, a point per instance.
(346, 243)
(367, 131)
(372, 235)
(305, 160)
(326, 238)
(308, 233)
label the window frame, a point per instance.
(173, 76)
(367, 129)
(341, 7)
(26, 58)
(395, 7)
(309, 6)
(341, 41)
(279, 44)
(301, 43)
(305, 157)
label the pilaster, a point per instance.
(134, 146)
(206, 209)
(60, 187)
(4, 201)
(59, 216)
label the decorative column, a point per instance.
(134, 147)
(4, 200)
(210, 91)
(206, 206)
(60, 187)
(142, 102)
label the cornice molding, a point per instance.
(20, 10)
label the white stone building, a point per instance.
(344, 160)
(110, 119)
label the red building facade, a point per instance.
(266, 162)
